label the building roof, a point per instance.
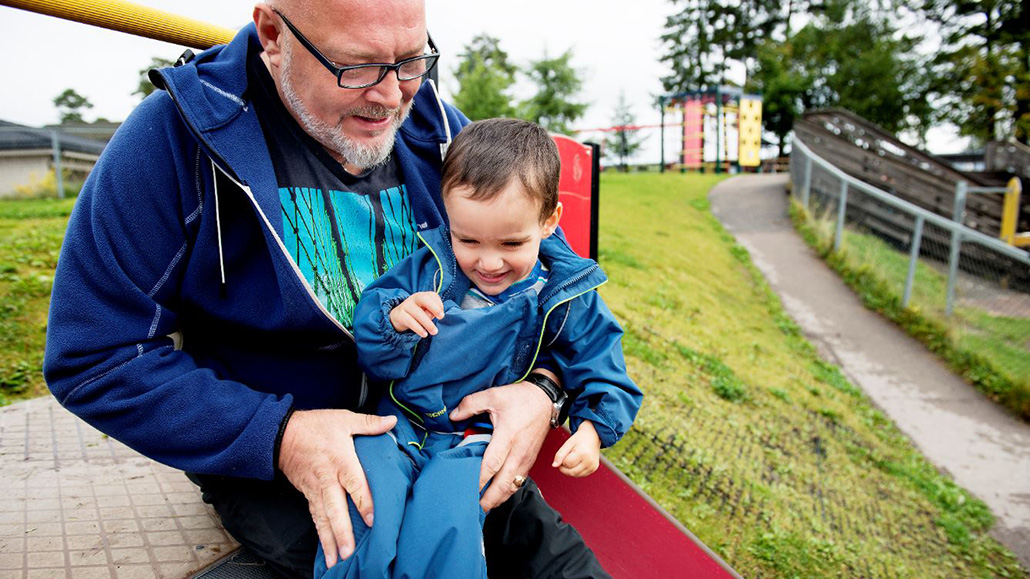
(14, 137)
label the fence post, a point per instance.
(956, 248)
(808, 181)
(841, 210)
(55, 142)
(959, 211)
(956, 244)
(913, 259)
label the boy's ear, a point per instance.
(551, 223)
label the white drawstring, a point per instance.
(218, 222)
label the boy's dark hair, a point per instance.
(487, 155)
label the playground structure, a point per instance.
(635, 537)
(986, 201)
(722, 129)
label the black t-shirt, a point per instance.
(342, 230)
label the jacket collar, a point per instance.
(570, 274)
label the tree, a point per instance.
(849, 56)
(484, 78)
(557, 85)
(70, 104)
(706, 35)
(145, 86)
(782, 86)
(623, 142)
(982, 71)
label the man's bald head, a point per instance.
(356, 125)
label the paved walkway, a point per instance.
(75, 504)
(982, 447)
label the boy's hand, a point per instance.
(417, 312)
(581, 453)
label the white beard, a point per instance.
(332, 137)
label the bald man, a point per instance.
(202, 304)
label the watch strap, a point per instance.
(559, 400)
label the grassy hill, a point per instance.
(764, 451)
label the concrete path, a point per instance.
(982, 447)
(75, 504)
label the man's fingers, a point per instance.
(513, 464)
(353, 481)
(493, 459)
(336, 511)
(325, 534)
(472, 405)
(369, 424)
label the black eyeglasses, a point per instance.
(366, 75)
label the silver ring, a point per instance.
(518, 481)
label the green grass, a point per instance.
(30, 239)
(990, 351)
(762, 449)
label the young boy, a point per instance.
(479, 305)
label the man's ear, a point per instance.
(551, 223)
(267, 23)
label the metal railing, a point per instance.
(803, 162)
(975, 285)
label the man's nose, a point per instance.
(388, 92)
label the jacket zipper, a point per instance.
(543, 325)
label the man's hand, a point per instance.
(317, 456)
(521, 415)
(416, 313)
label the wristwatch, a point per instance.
(559, 400)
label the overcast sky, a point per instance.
(615, 46)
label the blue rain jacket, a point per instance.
(189, 172)
(478, 348)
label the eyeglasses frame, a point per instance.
(384, 68)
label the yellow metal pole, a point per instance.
(1010, 211)
(131, 18)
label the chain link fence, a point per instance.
(973, 285)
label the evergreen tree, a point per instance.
(484, 78)
(70, 105)
(623, 142)
(557, 85)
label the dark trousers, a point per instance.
(524, 537)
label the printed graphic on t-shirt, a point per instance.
(343, 241)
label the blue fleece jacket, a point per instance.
(478, 348)
(184, 194)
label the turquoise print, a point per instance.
(343, 241)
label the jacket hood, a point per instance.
(570, 274)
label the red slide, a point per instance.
(633, 537)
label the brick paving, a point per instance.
(75, 504)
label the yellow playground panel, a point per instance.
(722, 127)
(749, 129)
(1010, 215)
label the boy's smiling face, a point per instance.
(497, 241)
